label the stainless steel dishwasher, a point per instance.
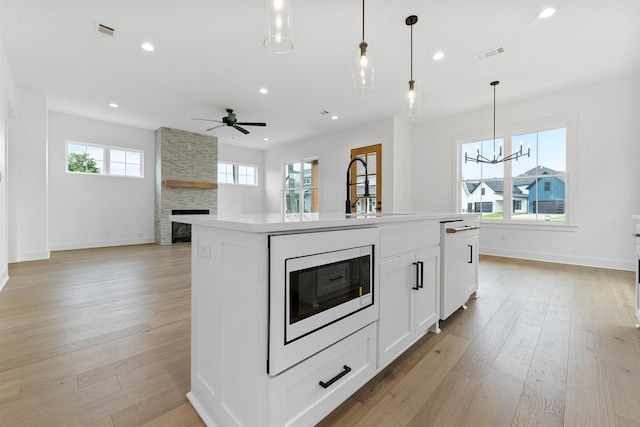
(459, 264)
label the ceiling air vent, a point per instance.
(489, 53)
(105, 30)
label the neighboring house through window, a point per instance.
(534, 187)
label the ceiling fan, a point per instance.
(232, 121)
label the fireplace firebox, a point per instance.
(181, 232)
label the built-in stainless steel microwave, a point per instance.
(321, 289)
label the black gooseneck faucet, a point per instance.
(349, 184)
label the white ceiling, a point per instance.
(209, 56)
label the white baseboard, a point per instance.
(4, 278)
(561, 259)
(34, 256)
(99, 244)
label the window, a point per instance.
(126, 163)
(230, 173)
(246, 175)
(103, 160)
(535, 187)
(372, 155)
(226, 173)
(301, 189)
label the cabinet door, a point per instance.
(472, 264)
(395, 326)
(426, 298)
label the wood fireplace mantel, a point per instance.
(189, 184)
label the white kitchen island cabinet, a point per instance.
(409, 284)
(233, 271)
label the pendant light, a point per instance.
(497, 156)
(278, 28)
(363, 67)
(412, 101)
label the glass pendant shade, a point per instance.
(278, 37)
(412, 100)
(363, 72)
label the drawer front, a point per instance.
(296, 396)
(396, 240)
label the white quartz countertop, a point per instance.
(273, 223)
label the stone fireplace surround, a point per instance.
(186, 172)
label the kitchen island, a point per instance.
(290, 315)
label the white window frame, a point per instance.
(106, 150)
(568, 121)
(236, 167)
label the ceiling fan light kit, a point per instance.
(363, 68)
(278, 28)
(412, 98)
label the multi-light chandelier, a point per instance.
(497, 156)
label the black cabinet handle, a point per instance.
(345, 371)
(417, 286)
(470, 254)
(335, 278)
(421, 264)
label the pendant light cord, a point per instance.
(494, 84)
(362, 20)
(411, 51)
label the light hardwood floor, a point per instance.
(100, 337)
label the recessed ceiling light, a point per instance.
(266, 139)
(113, 105)
(438, 56)
(264, 90)
(547, 13)
(334, 117)
(148, 47)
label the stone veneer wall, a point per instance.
(183, 156)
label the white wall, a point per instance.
(607, 177)
(334, 153)
(402, 169)
(239, 199)
(7, 105)
(93, 210)
(28, 180)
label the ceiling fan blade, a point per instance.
(240, 129)
(206, 120)
(251, 124)
(215, 127)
